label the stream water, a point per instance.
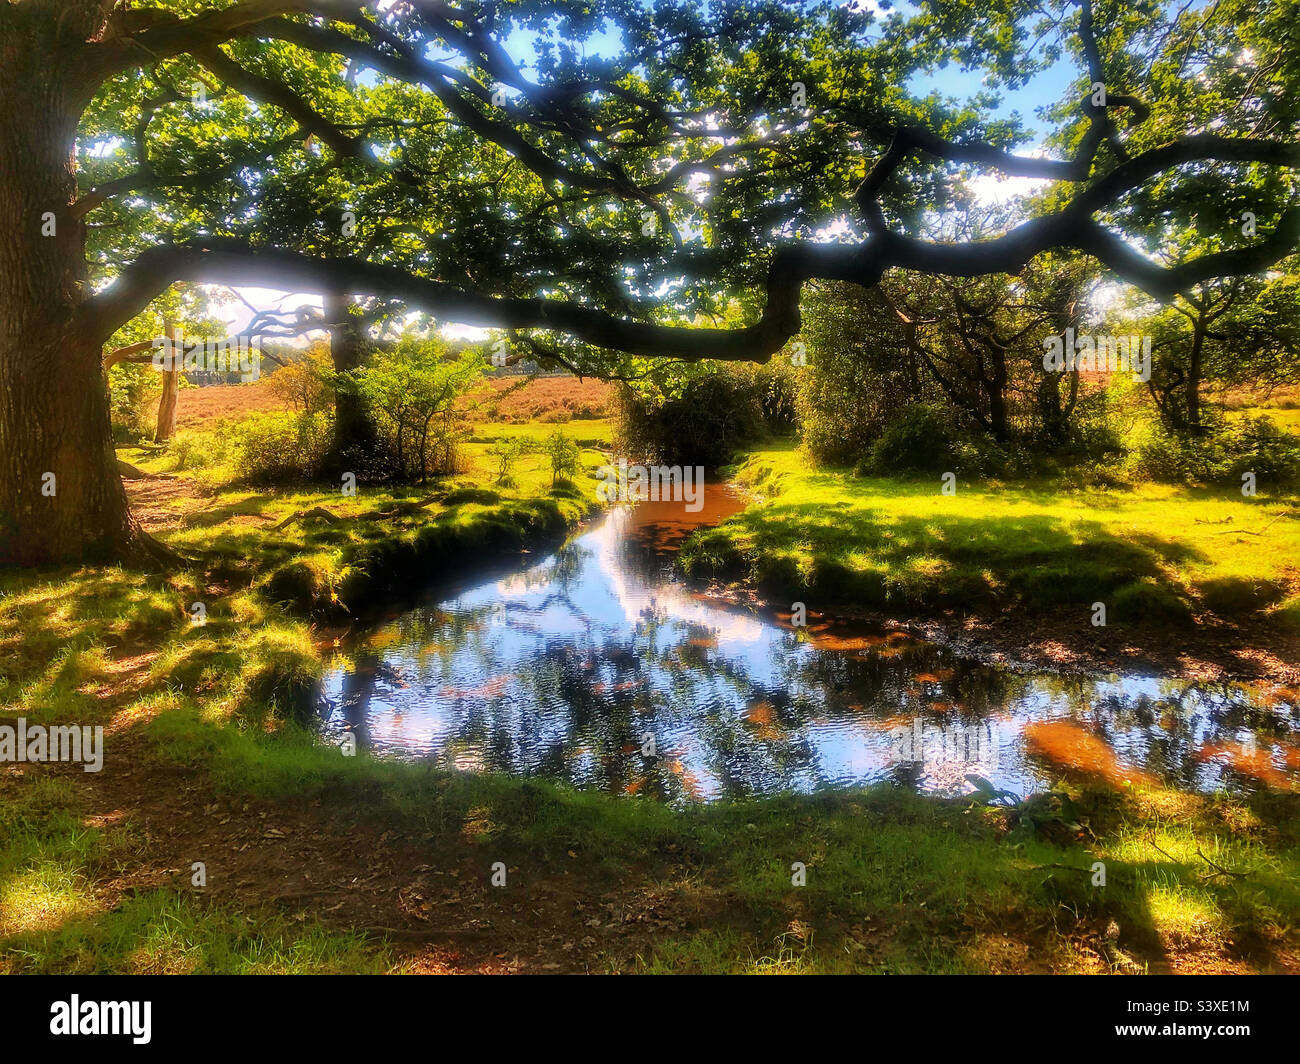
(594, 665)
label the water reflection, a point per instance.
(597, 668)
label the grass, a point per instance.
(118, 648)
(1153, 553)
(895, 882)
(345, 550)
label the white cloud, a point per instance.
(998, 188)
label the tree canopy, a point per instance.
(653, 169)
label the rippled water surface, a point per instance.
(595, 666)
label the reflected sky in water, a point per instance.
(596, 667)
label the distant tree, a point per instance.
(306, 382)
(973, 345)
(1225, 333)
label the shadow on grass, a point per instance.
(872, 557)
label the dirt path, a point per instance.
(430, 897)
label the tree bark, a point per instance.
(171, 384)
(61, 498)
(1192, 387)
(356, 440)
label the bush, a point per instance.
(506, 452)
(777, 387)
(1258, 446)
(133, 401)
(857, 377)
(566, 458)
(1091, 435)
(919, 439)
(281, 448)
(713, 414)
(412, 390)
(199, 449)
(1227, 451)
(306, 384)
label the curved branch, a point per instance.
(233, 262)
(142, 37)
(268, 90)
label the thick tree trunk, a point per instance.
(61, 499)
(356, 440)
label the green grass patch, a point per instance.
(1154, 554)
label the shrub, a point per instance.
(194, 449)
(307, 384)
(1091, 435)
(857, 377)
(1259, 446)
(919, 439)
(133, 401)
(1245, 445)
(412, 390)
(566, 458)
(281, 448)
(776, 386)
(506, 452)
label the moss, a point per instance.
(1146, 602)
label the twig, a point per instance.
(1153, 842)
(1248, 532)
(1219, 869)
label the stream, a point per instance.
(596, 666)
